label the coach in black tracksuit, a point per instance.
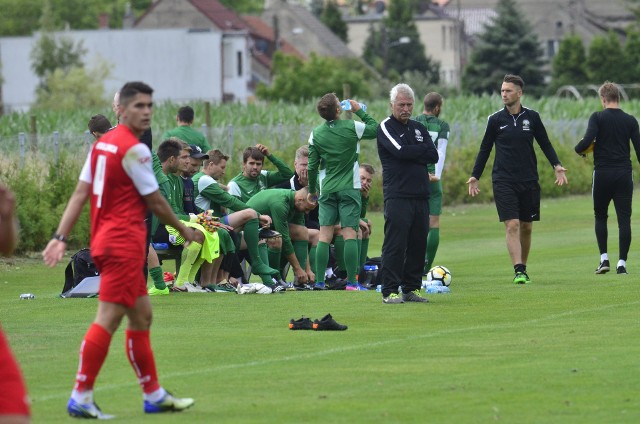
(611, 129)
(515, 176)
(405, 148)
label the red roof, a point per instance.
(222, 17)
(259, 29)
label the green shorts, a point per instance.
(226, 243)
(435, 199)
(340, 207)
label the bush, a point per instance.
(41, 198)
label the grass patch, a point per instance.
(561, 350)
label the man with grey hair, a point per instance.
(405, 148)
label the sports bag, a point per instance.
(80, 266)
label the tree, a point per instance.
(506, 46)
(386, 49)
(569, 64)
(295, 80)
(605, 61)
(632, 57)
(332, 18)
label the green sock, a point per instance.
(189, 257)
(157, 277)
(263, 253)
(351, 259)
(251, 229)
(322, 259)
(194, 269)
(301, 248)
(364, 251)
(338, 243)
(274, 257)
(433, 240)
(312, 259)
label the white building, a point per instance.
(180, 64)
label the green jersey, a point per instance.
(245, 188)
(173, 192)
(439, 131)
(279, 204)
(209, 195)
(334, 149)
(190, 136)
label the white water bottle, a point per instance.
(346, 105)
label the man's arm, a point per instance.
(312, 167)
(485, 150)
(370, 128)
(589, 136)
(55, 248)
(158, 205)
(542, 138)
(635, 138)
(216, 194)
(443, 140)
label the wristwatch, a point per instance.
(59, 237)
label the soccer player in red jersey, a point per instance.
(14, 402)
(118, 179)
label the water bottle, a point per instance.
(346, 105)
(27, 296)
(379, 288)
(438, 289)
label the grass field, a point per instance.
(564, 349)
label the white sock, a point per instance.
(82, 397)
(604, 257)
(155, 396)
(622, 263)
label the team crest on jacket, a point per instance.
(419, 136)
(525, 125)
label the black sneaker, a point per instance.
(303, 323)
(266, 233)
(328, 323)
(621, 270)
(279, 287)
(603, 268)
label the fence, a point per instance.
(281, 139)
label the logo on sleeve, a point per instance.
(419, 136)
(525, 125)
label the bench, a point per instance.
(166, 252)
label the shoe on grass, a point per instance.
(153, 291)
(168, 403)
(414, 296)
(621, 270)
(327, 323)
(521, 278)
(355, 287)
(320, 285)
(392, 299)
(86, 410)
(604, 267)
(266, 233)
(303, 323)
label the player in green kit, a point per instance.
(336, 143)
(439, 132)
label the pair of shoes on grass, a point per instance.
(168, 403)
(412, 296)
(604, 267)
(327, 323)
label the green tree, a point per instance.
(295, 80)
(605, 61)
(73, 88)
(632, 57)
(332, 18)
(569, 64)
(396, 47)
(506, 46)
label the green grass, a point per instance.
(561, 350)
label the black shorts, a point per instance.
(517, 200)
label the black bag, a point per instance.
(80, 267)
(368, 275)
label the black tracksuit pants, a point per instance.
(616, 185)
(406, 225)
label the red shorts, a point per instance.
(121, 280)
(14, 399)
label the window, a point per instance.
(239, 56)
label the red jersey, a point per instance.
(120, 173)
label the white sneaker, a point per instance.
(194, 288)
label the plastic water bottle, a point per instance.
(27, 296)
(438, 289)
(379, 288)
(346, 105)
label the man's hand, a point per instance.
(265, 221)
(53, 252)
(311, 276)
(263, 149)
(473, 186)
(301, 275)
(355, 106)
(561, 177)
(364, 189)
(186, 233)
(303, 177)
(433, 178)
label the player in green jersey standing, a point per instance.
(337, 144)
(439, 132)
